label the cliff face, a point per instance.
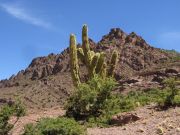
(47, 81)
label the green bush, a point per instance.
(6, 112)
(57, 126)
(172, 98)
(91, 98)
(19, 108)
(125, 103)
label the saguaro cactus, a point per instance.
(74, 61)
(95, 62)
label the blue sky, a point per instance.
(31, 28)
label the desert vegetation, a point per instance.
(13, 108)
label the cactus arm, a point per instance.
(113, 63)
(81, 55)
(85, 40)
(74, 61)
(93, 65)
(100, 62)
(85, 45)
(103, 71)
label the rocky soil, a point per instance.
(150, 122)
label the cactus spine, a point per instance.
(74, 61)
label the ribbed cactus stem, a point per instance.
(113, 63)
(85, 45)
(103, 71)
(85, 40)
(100, 62)
(81, 55)
(94, 62)
(74, 61)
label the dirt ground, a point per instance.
(152, 122)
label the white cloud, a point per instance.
(22, 14)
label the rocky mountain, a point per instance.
(47, 82)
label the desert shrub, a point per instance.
(125, 103)
(56, 126)
(19, 108)
(172, 98)
(91, 98)
(6, 112)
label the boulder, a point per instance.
(124, 118)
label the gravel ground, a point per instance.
(152, 122)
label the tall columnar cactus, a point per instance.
(103, 71)
(113, 63)
(95, 62)
(74, 61)
(85, 45)
(100, 63)
(93, 65)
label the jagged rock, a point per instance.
(35, 75)
(158, 79)
(170, 70)
(123, 118)
(57, 68)
(46, 71)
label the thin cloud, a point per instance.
(21, 14)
